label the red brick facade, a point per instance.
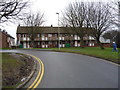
(47, 37)
(5, 40)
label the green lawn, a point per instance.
(9, 62)
(5, 48)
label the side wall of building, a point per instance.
(6, 41)
(3, 40)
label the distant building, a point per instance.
(105, 42)
(47, 37)
(6, 40)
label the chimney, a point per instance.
(4, 31)
(19, 25)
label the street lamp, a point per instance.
(58, 32)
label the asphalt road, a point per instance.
(67, 70)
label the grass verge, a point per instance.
(10, 65)
(5, 48)
(15, 68)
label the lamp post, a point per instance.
(58, 32)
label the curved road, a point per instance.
(67, 70)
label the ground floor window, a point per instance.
(38, 43)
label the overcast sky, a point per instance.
(49, 8)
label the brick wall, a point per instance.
(3, 40)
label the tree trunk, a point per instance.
(100, 44)
(82, 45)
(119, 55)
(118, 45)
(32, 44)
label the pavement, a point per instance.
(68, 70)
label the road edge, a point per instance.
(106, 60)
(33, 71)
(30, 76)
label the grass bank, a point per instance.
(15, 67)
(5, 48)
(9, 64)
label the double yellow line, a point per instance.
(39, 76)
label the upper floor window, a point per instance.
(50, 42)
(61, 35)
(71, 35)
(19, 35)
(8, 39)
(28, 35)
(42, 35)
(24, 35)
(66, 34)
(38, 35)
(55, 35)
(75, 35)
(49, 35)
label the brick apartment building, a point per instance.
(47, 37)
(6, 40)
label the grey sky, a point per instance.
(49, 8)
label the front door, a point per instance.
(24, 45)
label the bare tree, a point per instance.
(74, 16)
(32, 21)
(117, 23)
(11, 9)
(99, 18)
(115, 7)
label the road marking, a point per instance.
(42, 73)
(39, 76)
